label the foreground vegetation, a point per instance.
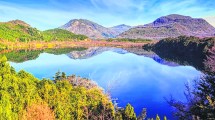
(200, 104)
(22, 96)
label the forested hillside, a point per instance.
(20, 31)
(22, 96)
(194, 51)
(61, 35)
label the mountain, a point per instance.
(92, 29)
(120, 28)
(171, 26)
(88, 28)
(18, 30)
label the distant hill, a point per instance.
(120, 28)
(92, 29)
(61, 35)
(171, 26)
(184, 50)
(18, 30)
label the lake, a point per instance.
(140, 78)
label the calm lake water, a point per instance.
(141, 80)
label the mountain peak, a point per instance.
(88, 28)
(92, 29)
(169, 19)
(85, 21)
(19, 22)
(121, 26)
(177, 16)
(171, 26)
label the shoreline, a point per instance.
(40, 45)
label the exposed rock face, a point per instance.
(92, 29)
(171, 26)
(88, 28)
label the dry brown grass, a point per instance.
(37, 45)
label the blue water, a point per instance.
(138, 80)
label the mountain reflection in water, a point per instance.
(132, 75)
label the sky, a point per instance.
(48, 14)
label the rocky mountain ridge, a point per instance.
(171, 26)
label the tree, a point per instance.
(5, 106)
(129, 113)
(157, 117)
(118, 116)
(142, 116)
(200, 101)
(63, 76)
(57, 76)
(165, 118)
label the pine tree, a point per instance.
(157, 117)
(129, 113)
(57, 76)
(63, 76)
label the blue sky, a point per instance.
(46, 14)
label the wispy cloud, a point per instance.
(53, 13)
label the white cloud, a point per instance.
(210, 20)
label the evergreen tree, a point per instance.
(63, 76)
(157, 117)
(142, 116)
(57, 76)
(20, 94)
(118, 116)
(129, 113)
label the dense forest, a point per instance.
(193, 51)
(20, 31)
(61, 35)
(22, 96)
